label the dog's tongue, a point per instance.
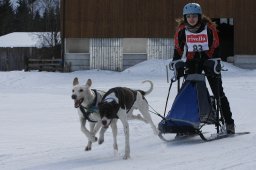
(76, 103)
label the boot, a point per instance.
(230, 128)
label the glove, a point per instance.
(171, 65)
(178, 66)
(212, 66)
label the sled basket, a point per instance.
(192, 107)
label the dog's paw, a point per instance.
(126, 157)
(115, 147)
(88, 148)
(94, 139)
(100, 141)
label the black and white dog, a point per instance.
(119, 103)
(86, 101)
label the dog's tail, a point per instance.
(151, 87)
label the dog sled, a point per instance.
(193, 107)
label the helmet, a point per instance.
(192, 8)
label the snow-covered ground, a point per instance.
(39, 126)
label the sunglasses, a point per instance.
(192, 16)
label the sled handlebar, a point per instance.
(211, 67)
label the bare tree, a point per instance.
(47, 4)
(51, 16)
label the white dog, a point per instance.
(86, 101)
(119, 102)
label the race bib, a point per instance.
(197, 42)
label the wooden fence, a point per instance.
(17, 58)
(42, 64)
(13, 58)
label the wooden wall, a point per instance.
(152, 18)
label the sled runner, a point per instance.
(193, 107)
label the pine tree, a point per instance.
(51, 24)
(23, 17)
(38, 22)
(6, 17)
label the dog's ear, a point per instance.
(75, 81)
(89, 82)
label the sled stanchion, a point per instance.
(167, 74)
(172, 80)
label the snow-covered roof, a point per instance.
(19, 39)
(23, 39)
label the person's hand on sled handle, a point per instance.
(178, 66)
(213, 66)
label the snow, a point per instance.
(18, 39)
(40, 130)
(26, 39)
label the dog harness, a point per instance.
(92, 108)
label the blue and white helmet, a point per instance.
(192, 8)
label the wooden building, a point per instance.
(115, 34)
